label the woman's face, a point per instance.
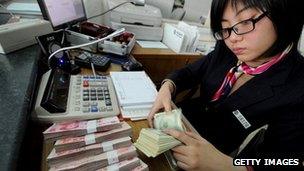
(251, 46)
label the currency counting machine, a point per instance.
(142, 20)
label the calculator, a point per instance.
(100, 62)
(65, 97)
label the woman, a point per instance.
(255, 76)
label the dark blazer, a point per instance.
(275, 97)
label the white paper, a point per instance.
(135, 113)
(139, 118)
(133, 88)
(173, 38)
(191, 34)
(152, 44)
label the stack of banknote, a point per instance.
(102, 144)
(153, 142)
(98, 137)
(90, 150)
(171, 119)
(95, 162)
(77, 128)
(127, 165)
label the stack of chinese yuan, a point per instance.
(102, 144)
(153, 142)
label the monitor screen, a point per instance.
(62, 13)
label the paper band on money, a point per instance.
(142, 167)
(114, 167)
(112, 157)
(128, 164)
(89, 139)
(97, 161)
(107, 146)
(79, 128)
(77, 142)
(86, 151)
(91, 126)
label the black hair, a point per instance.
(286, 16)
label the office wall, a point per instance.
(95, 7)
(197, 10)
(166, 6)
(194, 9)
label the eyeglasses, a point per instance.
(240, 28)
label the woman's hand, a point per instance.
(198, 154)
(163, 101)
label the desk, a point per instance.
(157, 164)
(158, 63)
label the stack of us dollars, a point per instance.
(171, 119)
(153, 142)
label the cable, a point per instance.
(116, 33)
(109, 10)
(134, 2)
(93, 69)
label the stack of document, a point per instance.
(180, 38)
(136, 93)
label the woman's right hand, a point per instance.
(163, 101)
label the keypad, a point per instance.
(92, 94)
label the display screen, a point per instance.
(62, 13)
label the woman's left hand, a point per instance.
(196, 153)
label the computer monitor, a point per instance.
(62, 13)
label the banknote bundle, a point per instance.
(153, 142)
(134, 164)
(77, 128)
(86, 151)
(81, 141)
(98, 161)
(171, 119)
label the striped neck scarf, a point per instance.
(236, 71)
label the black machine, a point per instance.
(56, 93)
(100, 62)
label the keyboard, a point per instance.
(92, 95)
(101, 62)
(74, 97)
